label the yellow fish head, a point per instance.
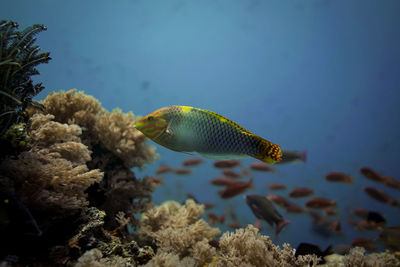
(153, 125)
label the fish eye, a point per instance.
(150, 118)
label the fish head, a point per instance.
(153, 124)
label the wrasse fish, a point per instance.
(188, 129)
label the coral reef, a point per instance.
(18, 59)
(52, 175)
(67, 165)
(176, 228)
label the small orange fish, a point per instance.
(365, 225)
(330, 211)
(208, 205)
(163, 169)
(293, 208)
(234, 225)
(229, 163)
(320, 203)
(182, 171)
(215, 218)
(155, 180)
(260, 166)
(391, 182)
(325, 222)
(381, 196)
(339, 177)
(236, 189)
(366, 243)
(372, 175)
(231, 173)
(276, 186)
(279, 200)
(222, 181)
(193, 161)
(361, 212)
(301, 192)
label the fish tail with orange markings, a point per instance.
(269, 152)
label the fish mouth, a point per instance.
(138, 124)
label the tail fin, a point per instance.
(280, 226)
(269, 152)
(304, 156)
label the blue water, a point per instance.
(321, 76)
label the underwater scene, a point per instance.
(199, 133)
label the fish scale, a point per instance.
(188, 129)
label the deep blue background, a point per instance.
(317, 75)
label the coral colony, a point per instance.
(69, 196)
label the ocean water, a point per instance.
(321, 76)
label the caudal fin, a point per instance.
(280, 226)
(304, 156)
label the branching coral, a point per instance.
(117, 146)
(114, 132)
(52, 175)
(103, 248)
(117, 133)
(18, 59)
(247, 247)
(356, 257)
(177, 228)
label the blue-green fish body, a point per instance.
(188, 129)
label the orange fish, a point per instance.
(163, 169)
(330, 211)
(279, 200)
(391, 182)
(236, 189)
(381, 196)
(325, 222)
(320, 203)
(229, 163)
(155, 180)
(301, 192)
(182, 171)
(339, 177)
(193, 161)
(361, 212)
(222, 181)
(234, 225)
(365, 225)
(231, 173)
(260, 166)
(293, 208)
(208, 205)
(276, 186)
(372, 175)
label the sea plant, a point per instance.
(18, 59)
